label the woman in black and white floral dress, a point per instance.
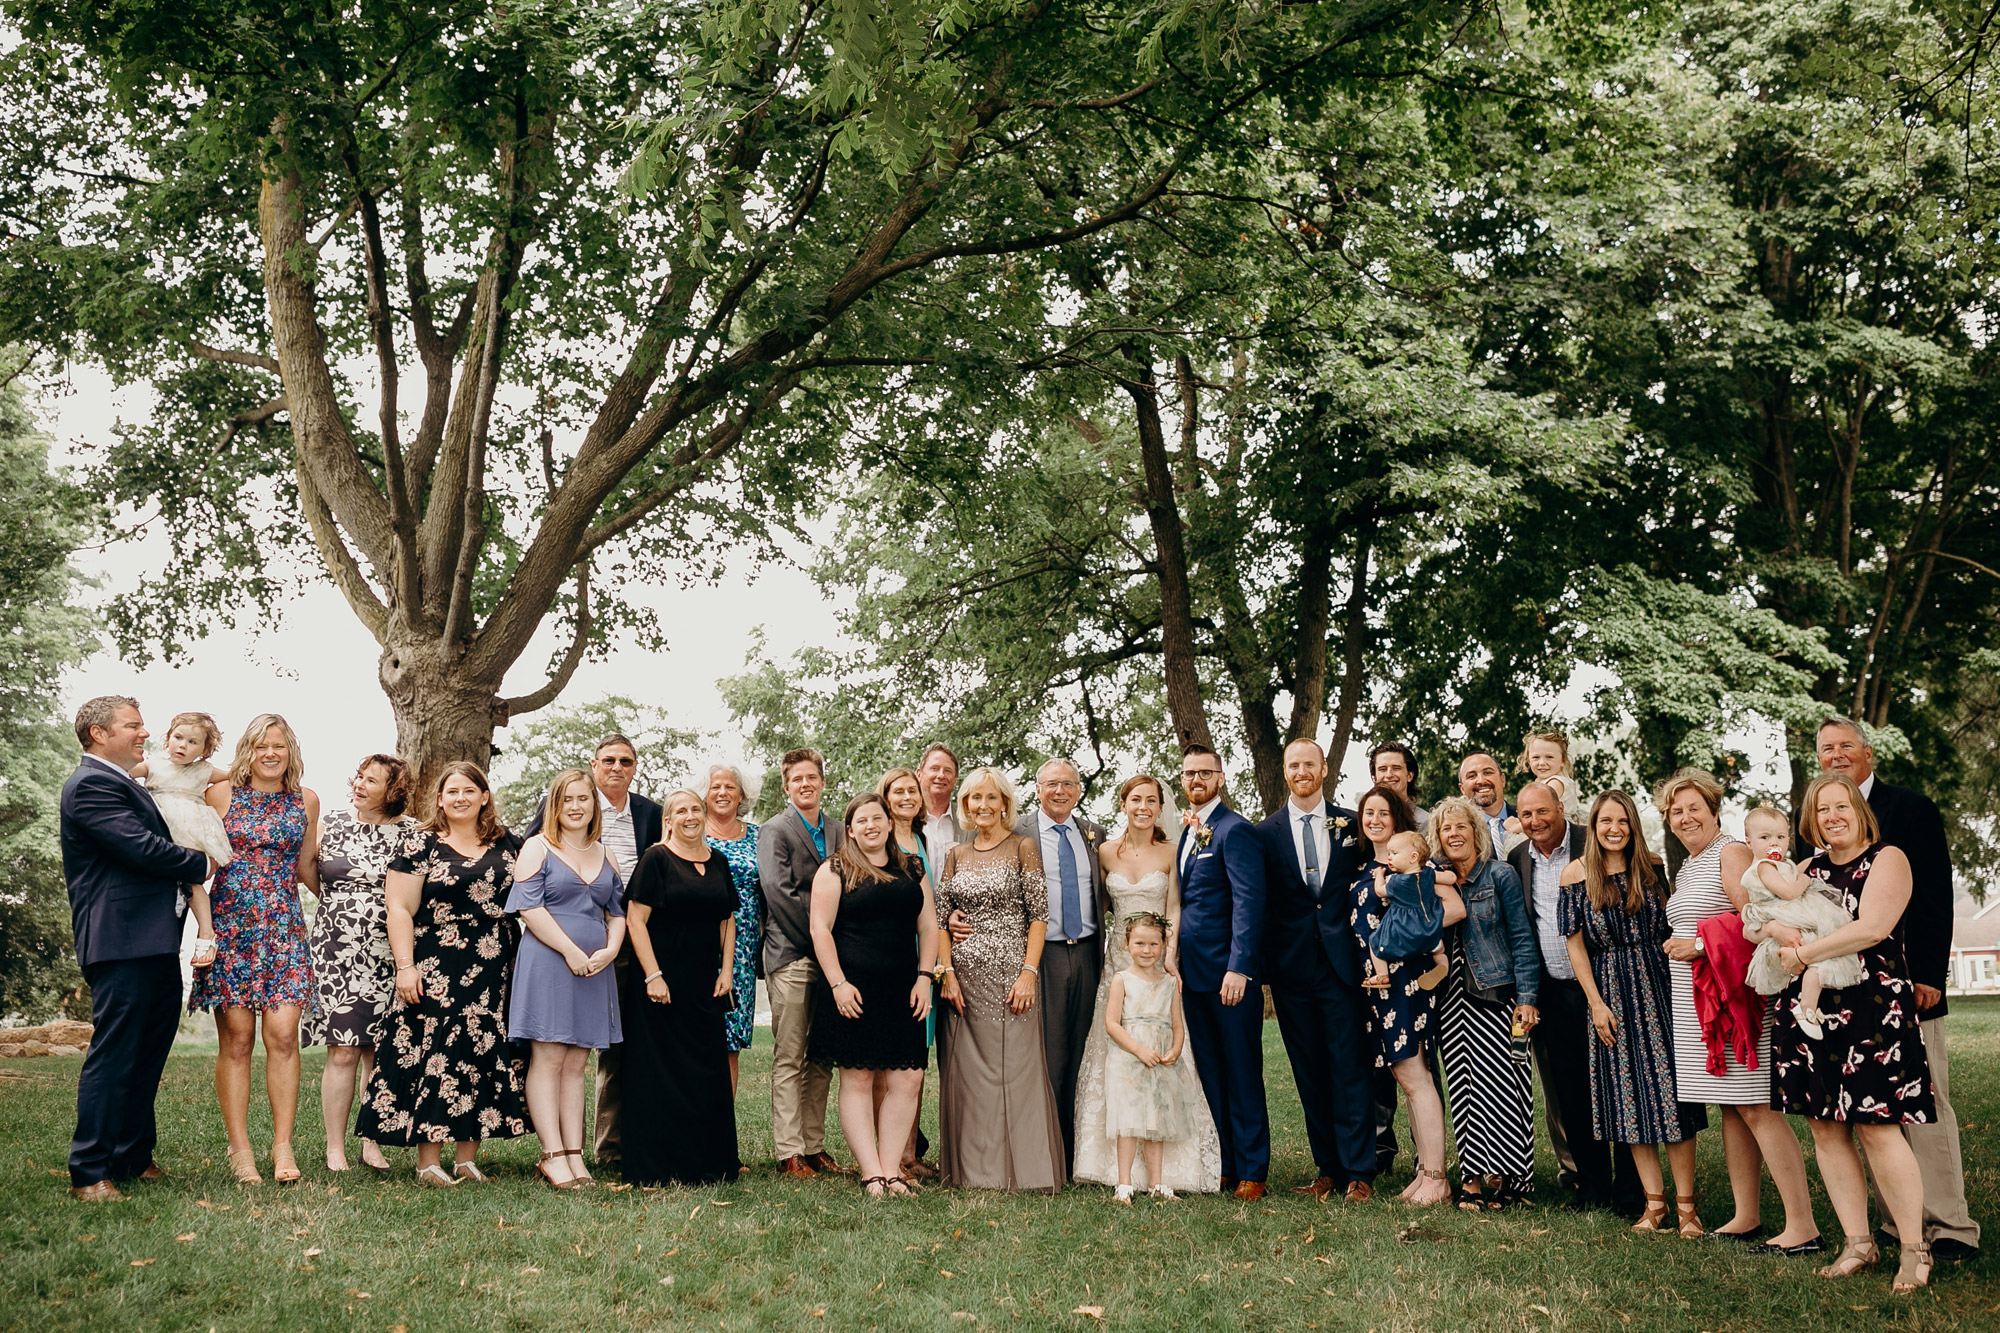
(1868, 1076)
(350, 942)
(444, 1069)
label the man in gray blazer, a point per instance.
(790, 849)
(1073, 954)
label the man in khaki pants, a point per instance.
(790, 849)
(1910, 822)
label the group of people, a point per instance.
(1094, 996)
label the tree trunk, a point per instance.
(441, 716)
(1176, 600)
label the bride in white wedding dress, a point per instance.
(1139, 875)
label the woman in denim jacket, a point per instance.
(1488, 996)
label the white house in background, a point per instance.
(1975, 944)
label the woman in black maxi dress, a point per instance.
(680, 1118)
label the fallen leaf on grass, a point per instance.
(819, 1312)
(1288, 1282)
(1539, 1309)
(721, 1203)
(315, 1252)
(357, 1294)
(203, 1203)
(1543, 1232)
(85, 1240)
(965, 1316)
(185, 1237)
(1308, 1237)
(529, 1269)
(956, 1234)
(141, 1263)
(1089, 1311)
(399, 1328)
(944, 1272)
(667, 1281)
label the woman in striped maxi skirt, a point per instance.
(1492, 985)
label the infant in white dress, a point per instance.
(179, 777)
(1778, 892)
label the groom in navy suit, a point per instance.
(126, 904)
(1312, 855)
(1222, 936)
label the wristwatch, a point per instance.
(1700, 945)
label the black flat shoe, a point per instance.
(1953, 1251)
(1743, 1237)
(1814, 1246)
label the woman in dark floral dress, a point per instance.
(445, 1069)
(262, 976)
(1613, 912)
(736, 838)
(1868, 1076)
(1401, 1018)
(350, 943)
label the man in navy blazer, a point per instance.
(1312, 854)
(1222, 937)
(126, 907)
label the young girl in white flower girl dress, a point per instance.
(177, 776)
(1146, 1099)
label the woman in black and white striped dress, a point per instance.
(1753, 1135)
(1496, 969)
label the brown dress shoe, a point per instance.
(1229, 1184)
(823, 1162)
(923, 1170)
(1319, 1189)
(153, 1171)
(99, 1191)
(1250, 1191)
(796, 1166)
(1359, 1191)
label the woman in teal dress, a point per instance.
(736, 838)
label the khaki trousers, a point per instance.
(1939, 1163)
(798, 1086)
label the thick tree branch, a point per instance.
(256, 360)
(546, 695)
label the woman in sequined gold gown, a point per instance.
(997, 1125)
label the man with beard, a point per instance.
(1479, 782)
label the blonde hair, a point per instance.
(1669, 790)
(1871, 828)
(667, 809)
(1555, 738)
(1010, 800)
(1408, 836)
(552, 808)
(246, 752)
(1767, 812)
(1458, 805)
(211, 735)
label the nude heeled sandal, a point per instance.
(243, 1165)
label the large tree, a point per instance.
(612, 276)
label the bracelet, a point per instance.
(404, 962)
(406, 967)
(838, 984)
(925, 976)
(655, 976)
(1030, 967)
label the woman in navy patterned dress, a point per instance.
(1402, 1019)
(1613, 911)
(736, 838)
(1868, 1076)
(262, 975)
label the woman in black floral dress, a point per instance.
(445, 1069)
(1868, 1072)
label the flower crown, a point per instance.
(1153, 919)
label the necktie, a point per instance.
(1072, 896)
(1312, 853)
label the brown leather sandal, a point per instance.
(542, 1170)
(1689, 1218)
(1655, 1215)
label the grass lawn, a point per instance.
(199, 1252)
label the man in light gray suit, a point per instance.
(790, 848)
(1073, 954)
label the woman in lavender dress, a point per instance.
(564, 998)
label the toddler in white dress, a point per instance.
(1147, 1097)
(1545, 759)
(179, 776)
(1778, 892)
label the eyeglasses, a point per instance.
(1062, 784)
(1201, 772)
(619, 763)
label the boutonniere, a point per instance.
(1090, 835)
(1202, 832)
(1334, 823)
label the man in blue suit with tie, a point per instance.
(1311, 858)
(1222, 938)
(126, 905)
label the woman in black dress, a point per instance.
(445, 1069)
(680, 1115)
(1867, 1077)
(876, 938)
